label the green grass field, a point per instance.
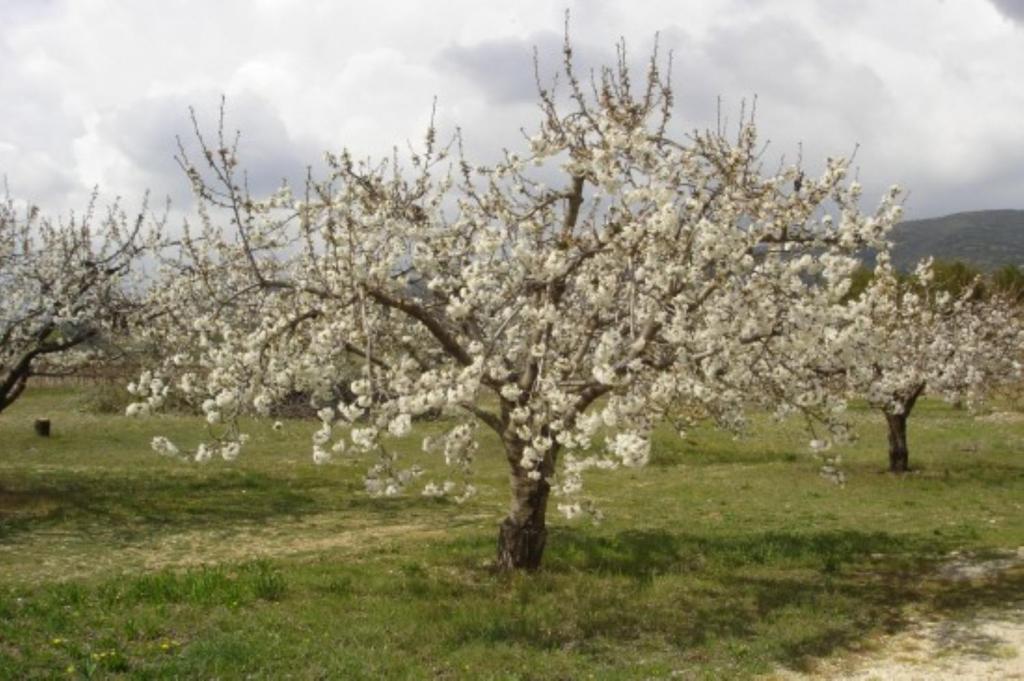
(725, 558)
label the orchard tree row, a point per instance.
(610, 275)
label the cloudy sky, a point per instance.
(93, 92)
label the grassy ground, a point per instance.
(723, 559)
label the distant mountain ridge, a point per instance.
(987, 239)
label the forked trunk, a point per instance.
(899, 456)
(523, 533)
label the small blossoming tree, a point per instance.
(919, 337)
(567, 297)
(62, 286)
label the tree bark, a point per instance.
(523, 533)
(899, 455)
(12, 385)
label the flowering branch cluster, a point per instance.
(918, 337)
(922, 338)
(65, 283)
(579, 291)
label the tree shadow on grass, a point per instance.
(644, 554)
(145, 505)
(148, 506)
(667, 453)
(785, 598)
(141, 506)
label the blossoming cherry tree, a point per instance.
(567, 297)
(63, 284)
(919, 338)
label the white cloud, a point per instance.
(1012, 9)
(94, 91)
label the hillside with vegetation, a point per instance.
(987, 239)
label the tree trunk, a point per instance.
(899, 456)
(12, 385)
(523, 533)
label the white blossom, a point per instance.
(68, 287)
(161, 445)
(400, 425)
(607, 278)
(203, 453)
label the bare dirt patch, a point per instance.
(982, 647)
(988, 644)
